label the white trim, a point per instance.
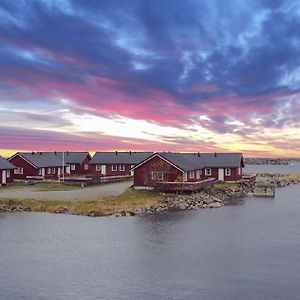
(227, 172)
(7, 173)
(98, 168)
(159, 176)
(73, 167)
(23, 158)
(121, 168)
(86, 167)
(154, 155)
(114, 168)
(150, 188)
(192, 174)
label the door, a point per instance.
(68, 169)
(43, 172)
(3, 177)
(103, 169)
(58, 172)
(132, 172)
(221, 174)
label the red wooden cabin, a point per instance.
(169, 168)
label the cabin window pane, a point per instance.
(227, 172)
(49, 171)
(53, 170)
(7, 173)
(157, 176)
(121, 167)
(16, 171)
(98, 168)
(73, 167)
(192, 174)
(198, 174)
(208, 172)
(114, 167)
(40, 171)
(86, 166)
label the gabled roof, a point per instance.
(226, 160)
(52, 159)
(116, 157)
(5, 165)
(195, 161)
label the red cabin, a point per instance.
(187, 168)
(116, 163)
(49, 165)
(6, 171)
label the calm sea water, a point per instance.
(250, 250)
(291, 168)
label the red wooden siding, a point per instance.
(110, 172)
(80, 169)
(142, 174)
(28, 169)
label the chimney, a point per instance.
(215, 154)
(32, 152)
(116, 152)
(199, 154)
(67, 152)
(55, 152)
(41, 153)
(130, 152)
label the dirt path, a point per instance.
(81, 194)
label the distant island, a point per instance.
(269, 161)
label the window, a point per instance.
(73, 167)
(121, 167)
(53, 170)
(239, 170)
(227, 172)
(7, 173)
(18, 171)
(86, 166)
(198, 173)
(157, 176)
(98, 168)
(208, 172)
(192, 174)
(49, 171)
(40, 172)
(114, 168)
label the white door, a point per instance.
(58, 172)
(103, 169)
(132, 172)
(185, 176)
(68, 169)
(3, 177)
(221, 174)
(43, 171)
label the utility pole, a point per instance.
(63, 166)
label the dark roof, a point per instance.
(5, 165)
(116, 157)
(194, 161)
(53, 159)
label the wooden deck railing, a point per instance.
(184, 186)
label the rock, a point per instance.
(214, 205)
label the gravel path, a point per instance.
(82, 194)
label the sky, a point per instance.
(159, 75)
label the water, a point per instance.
(246, 251)
(287, 169)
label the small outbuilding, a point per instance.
(6, 171)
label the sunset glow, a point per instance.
(150, 75)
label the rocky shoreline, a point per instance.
(215, 196)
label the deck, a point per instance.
(184, 186)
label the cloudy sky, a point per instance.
(150, 75)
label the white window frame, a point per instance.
(227, 172)
(239, 171)
(40, 172)
(49, 171)
(122, 168)
(53, 171)
(207, 171)
(98, 168)
(19, 170)
(192, 174)
(157, 176)
(114, 168)
(7, 173)
(86, 166)
(198, 174)
(73, 167)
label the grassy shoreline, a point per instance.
(129, 200)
